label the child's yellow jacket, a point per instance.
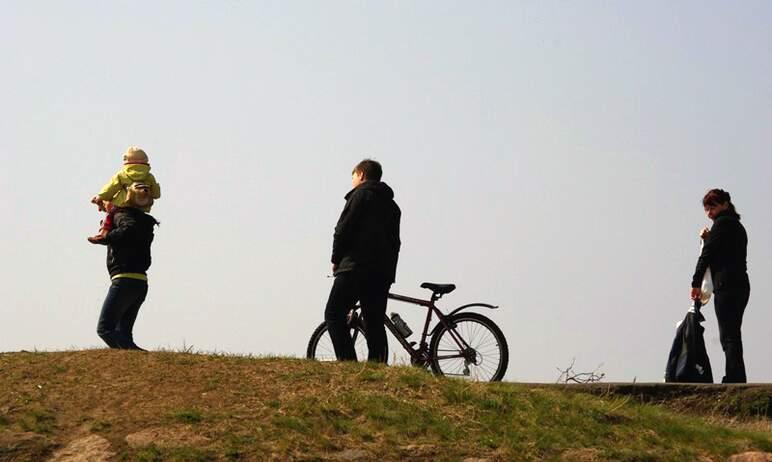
(115, 191)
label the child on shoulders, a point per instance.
(133, 186)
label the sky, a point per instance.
(548, 157)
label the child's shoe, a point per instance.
(98, 238)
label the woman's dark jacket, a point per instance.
(367, 234)
(725, 253)
(128, 243)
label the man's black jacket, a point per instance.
(367, 234)
(725, 252)
(128, 243)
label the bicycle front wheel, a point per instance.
(320, 345)
(485, 356)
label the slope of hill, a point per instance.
(121, 405)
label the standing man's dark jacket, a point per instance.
(367, 234)
(128, 243)
(724, 253)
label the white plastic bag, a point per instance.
(707, 284)
(707, 287)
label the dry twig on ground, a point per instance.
(568, 375)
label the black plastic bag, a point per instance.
(688, 361)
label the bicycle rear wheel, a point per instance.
(485, 360)
(320, 345)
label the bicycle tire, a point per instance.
(327, 353)
(481, 334)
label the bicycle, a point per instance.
(461, 344)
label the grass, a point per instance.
(187, 416)
(37, 420)
(183, 454)
(221, 407)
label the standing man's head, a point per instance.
(367, 170)
(716, 201)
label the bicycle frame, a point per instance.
(419, 354)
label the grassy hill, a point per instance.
(121, 405)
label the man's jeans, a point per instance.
(372, 293)
(119, 312)
(730, 307)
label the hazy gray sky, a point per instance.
(549, 157)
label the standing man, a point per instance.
(128, 258)
(365, 249)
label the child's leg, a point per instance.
(107, 222)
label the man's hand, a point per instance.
(704, 233)
(696, 293)
(334, 268)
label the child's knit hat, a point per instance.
(134, 155)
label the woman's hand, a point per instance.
(696, 293)
(704, 233)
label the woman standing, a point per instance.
(724, 252)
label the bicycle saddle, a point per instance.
(440, 289)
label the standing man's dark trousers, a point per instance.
(119, 311)
(730, 307)
(372, 293)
